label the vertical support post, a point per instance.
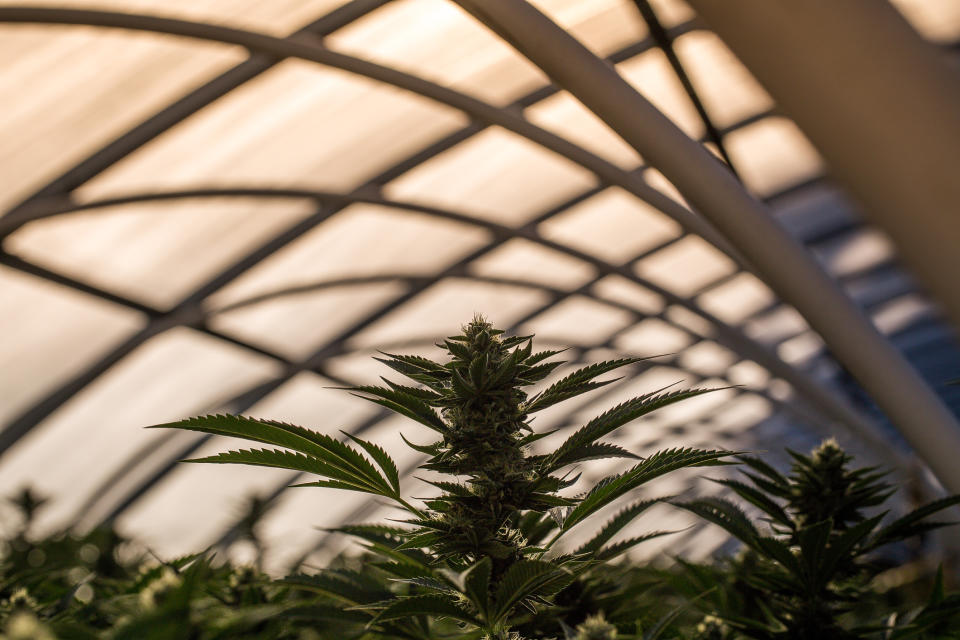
(793, 274)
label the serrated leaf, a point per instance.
(476, 583)
(280, 434)
(425, 605)
(524, 579)
(298, 462)
(758, 499)
(615, 549)
(902, 527)
(429, 449)
(402, 403)
(592, 451)
(615, 524)
(723, 513)
(615, 418)
(660, 463)
(576, 383)
(385, 462)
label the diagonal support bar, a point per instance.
(794, 275)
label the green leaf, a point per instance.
(477, 586)
(759, 499)
(402, 403)
(660, 463)
(593, 451)
(615, 549)
(907, 525)
(385, 462)
(429, 449)
(524, 579)
(576, 383)
(425, 605)
(615, 524)
(725, 514)
(614, 419)
(299, 462)
(347, 586)
(351, 466)
(843, 546)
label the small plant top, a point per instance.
(801, 579)
(479, 559)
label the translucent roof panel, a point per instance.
(189, 226)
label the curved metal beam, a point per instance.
(921, 416)
(885, 117)
(819, 396)
(192, 102)
(606, 171)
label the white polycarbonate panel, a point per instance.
(612, 225)
(51, 334)
(446, 306)
(298, 124)
(728, 91)
(737, 298)
(771, 155)
(856, 252)
(495, 175)
(67, 91)
(141, 251)
(566, 116)
(578, 321)
(685, 266)
(297, 325)
(707, 359)
(672, 12)
(618, 289)
(436, 40)
(653, 337)
(524, 260)
(362, 240)
(178, 373)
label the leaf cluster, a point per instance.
(482, 553)
(813, 562)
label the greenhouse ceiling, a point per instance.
(228, 206)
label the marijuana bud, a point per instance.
(596, 628)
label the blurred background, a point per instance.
(232, 208)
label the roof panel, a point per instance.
(51, 334)
(685, 266)
(436, 40)
(651, 75)
(566, 116)
(180, 372)
(772, 154)
(495, 175)
(612, 225)
(525, 260)
(296, 124)
(106, 81)
(361, 240)
(729, 92)
(140, 250)
(444, 307)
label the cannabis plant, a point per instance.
(481, 559)
(802, 578)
